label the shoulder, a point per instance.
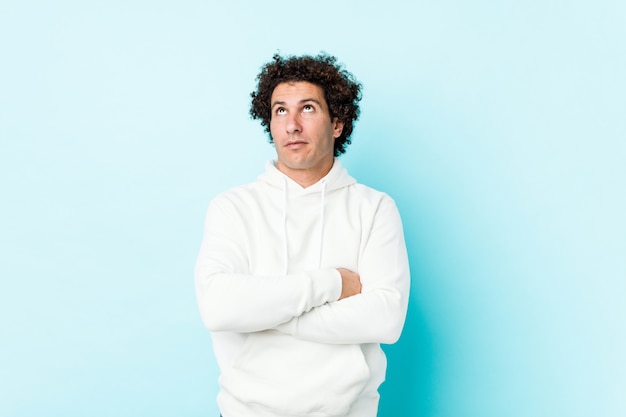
(229, 207)
(237, 196)
(240, 197)
(370, 203)
(370, 195)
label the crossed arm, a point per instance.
(328, 305)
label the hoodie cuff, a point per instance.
(327, 285)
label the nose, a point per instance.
(293, 124)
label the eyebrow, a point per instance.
(282, 103)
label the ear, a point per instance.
(337, 127)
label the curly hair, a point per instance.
(341, 90)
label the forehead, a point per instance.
(296, 91)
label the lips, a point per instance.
(295, 144)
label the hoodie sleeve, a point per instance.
(377, 314)
(231, 299)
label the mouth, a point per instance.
(295, 144)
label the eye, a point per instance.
(308, 108)
(281, 111)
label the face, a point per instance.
(303, 132)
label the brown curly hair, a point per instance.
(341, 90)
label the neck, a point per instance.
(306, 177)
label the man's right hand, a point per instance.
(350, 283)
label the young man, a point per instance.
(303, 273)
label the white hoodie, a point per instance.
(268, 288)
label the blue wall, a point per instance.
(498, 127)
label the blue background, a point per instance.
(498, 126)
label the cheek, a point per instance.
(272, 127)
(330, 144)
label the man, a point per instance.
(303, 273)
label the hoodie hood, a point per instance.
(336, 178)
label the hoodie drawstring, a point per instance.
(319, 257)
(285, 246)
(321, 225)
